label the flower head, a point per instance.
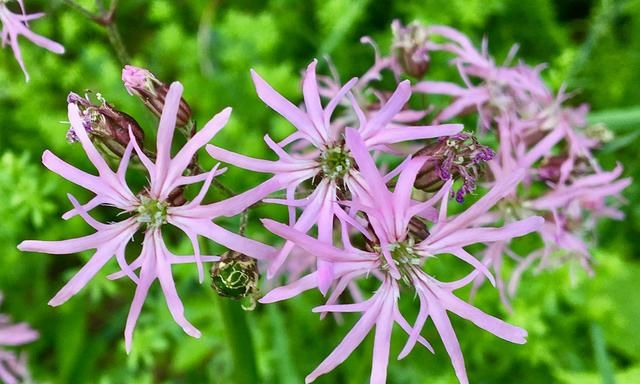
(149, 211)
(397, 259)
(15, 25)
(319, 155)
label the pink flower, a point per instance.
(319, 155)
(148, 210)
(14, 25)
(13, 367)
(539, 136)
(396, 255)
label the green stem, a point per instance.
(88, 14)
(239, 338)
(600, 354)
(117, 44)
(105, 18)
(240, 341)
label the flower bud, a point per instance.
(418, 230)
(107, 127)
(236, 276)
(142, 83)
(410, 47)
(459, 156)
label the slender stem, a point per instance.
(240, 341)
(600, 354)
(118, 45)
(227, 191)
(105, 18)
(88, 14)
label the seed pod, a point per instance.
(236, 276)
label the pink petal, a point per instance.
(487, 322)
(312, 101)
(388, 111)
(399, 134)
(284, 107)
(166, 128)
(349, 343)
(288, 291)
(448, 336)
(163, 271)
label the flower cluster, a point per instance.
(537, 133)
(367, 181)
(15, 25)
(13, 367)
(147, 211)
(363, 229)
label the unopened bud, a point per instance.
(418, 229)
(410, 47)
(458, 157)
(107, 127)
(236, 276)
(153, 92)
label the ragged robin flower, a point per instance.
(148, 211)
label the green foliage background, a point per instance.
(582, 330)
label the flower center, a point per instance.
(152, 212)
(404, 257)
(335, 162)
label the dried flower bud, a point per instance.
(410, 48)
(142, 83)
(107, 127)
(236, 276)
(458, 156)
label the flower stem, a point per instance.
(117, 44)
(240, 342)
(88, 14)
(105, 18)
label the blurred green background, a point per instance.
(581, 330)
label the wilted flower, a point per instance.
(457, 156)
(107, 127)
(397, 259)
(149, 211)
(14, 25)
(13, 368)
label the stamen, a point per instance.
(335, 162)
(152, 212)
